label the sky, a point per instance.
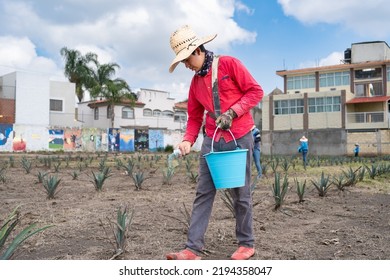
(266, 35)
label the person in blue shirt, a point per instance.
(256, 150)
(356, 150)
(303, 149)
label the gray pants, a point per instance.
(206, 191)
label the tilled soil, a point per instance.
(344, 225)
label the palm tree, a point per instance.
(113, 91)
(77, 69)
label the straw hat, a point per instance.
(183, 42)
(303, 138)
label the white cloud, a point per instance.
(332, 59)
(361, 17)
(133, 33)
(20, 54)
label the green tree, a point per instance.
(78, 69)
(114, 91)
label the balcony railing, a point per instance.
(377, 119)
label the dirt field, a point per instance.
(353, 224)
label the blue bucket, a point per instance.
(227, 168)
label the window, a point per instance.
(156, 113)
(388, 73)
(368, 73)
(127, 113)
(180, 117)
(56, 105)
(325, 104)
(109, 111)
(334, 79)
(167, 113)
(301, 82)
(291, 106)
(368, 89)
(147, 112)
(96, 114)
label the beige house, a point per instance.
(334, 106)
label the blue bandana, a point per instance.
(207, 64)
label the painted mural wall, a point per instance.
(19, 138)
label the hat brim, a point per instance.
(185, 53)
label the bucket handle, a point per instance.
(215, 132)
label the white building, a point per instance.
(154, 109)
(32, 99)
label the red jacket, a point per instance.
(237, 90)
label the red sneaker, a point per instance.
(183, 255)
(243, 253)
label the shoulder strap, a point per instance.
(214, 82)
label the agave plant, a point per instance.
(57, 166)
(193, 176)
(51, 184)
(3, 178)
(227, 198)
(8, 227)
(11, 161)
(322, 185)
(351, 176)
(301, 188)
(27, 165)
(129, 167)
(138, 178)
(285, 165)
(41, 176)
(372, 171)
(168, 175)
(186, 215)
(339, 181)
(120, 228)
(279, 190)
(98, 179)
(75, 174)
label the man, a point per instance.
(238, 93)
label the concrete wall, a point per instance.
(64, 91)
(330, 142)
(32, 99)
(371, 143)
(327, 142)
(370, 51)
(28, 138)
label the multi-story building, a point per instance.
(334, 106)
(154, 109)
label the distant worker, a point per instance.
(303, 149)
(356, 150)
(256, 150)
